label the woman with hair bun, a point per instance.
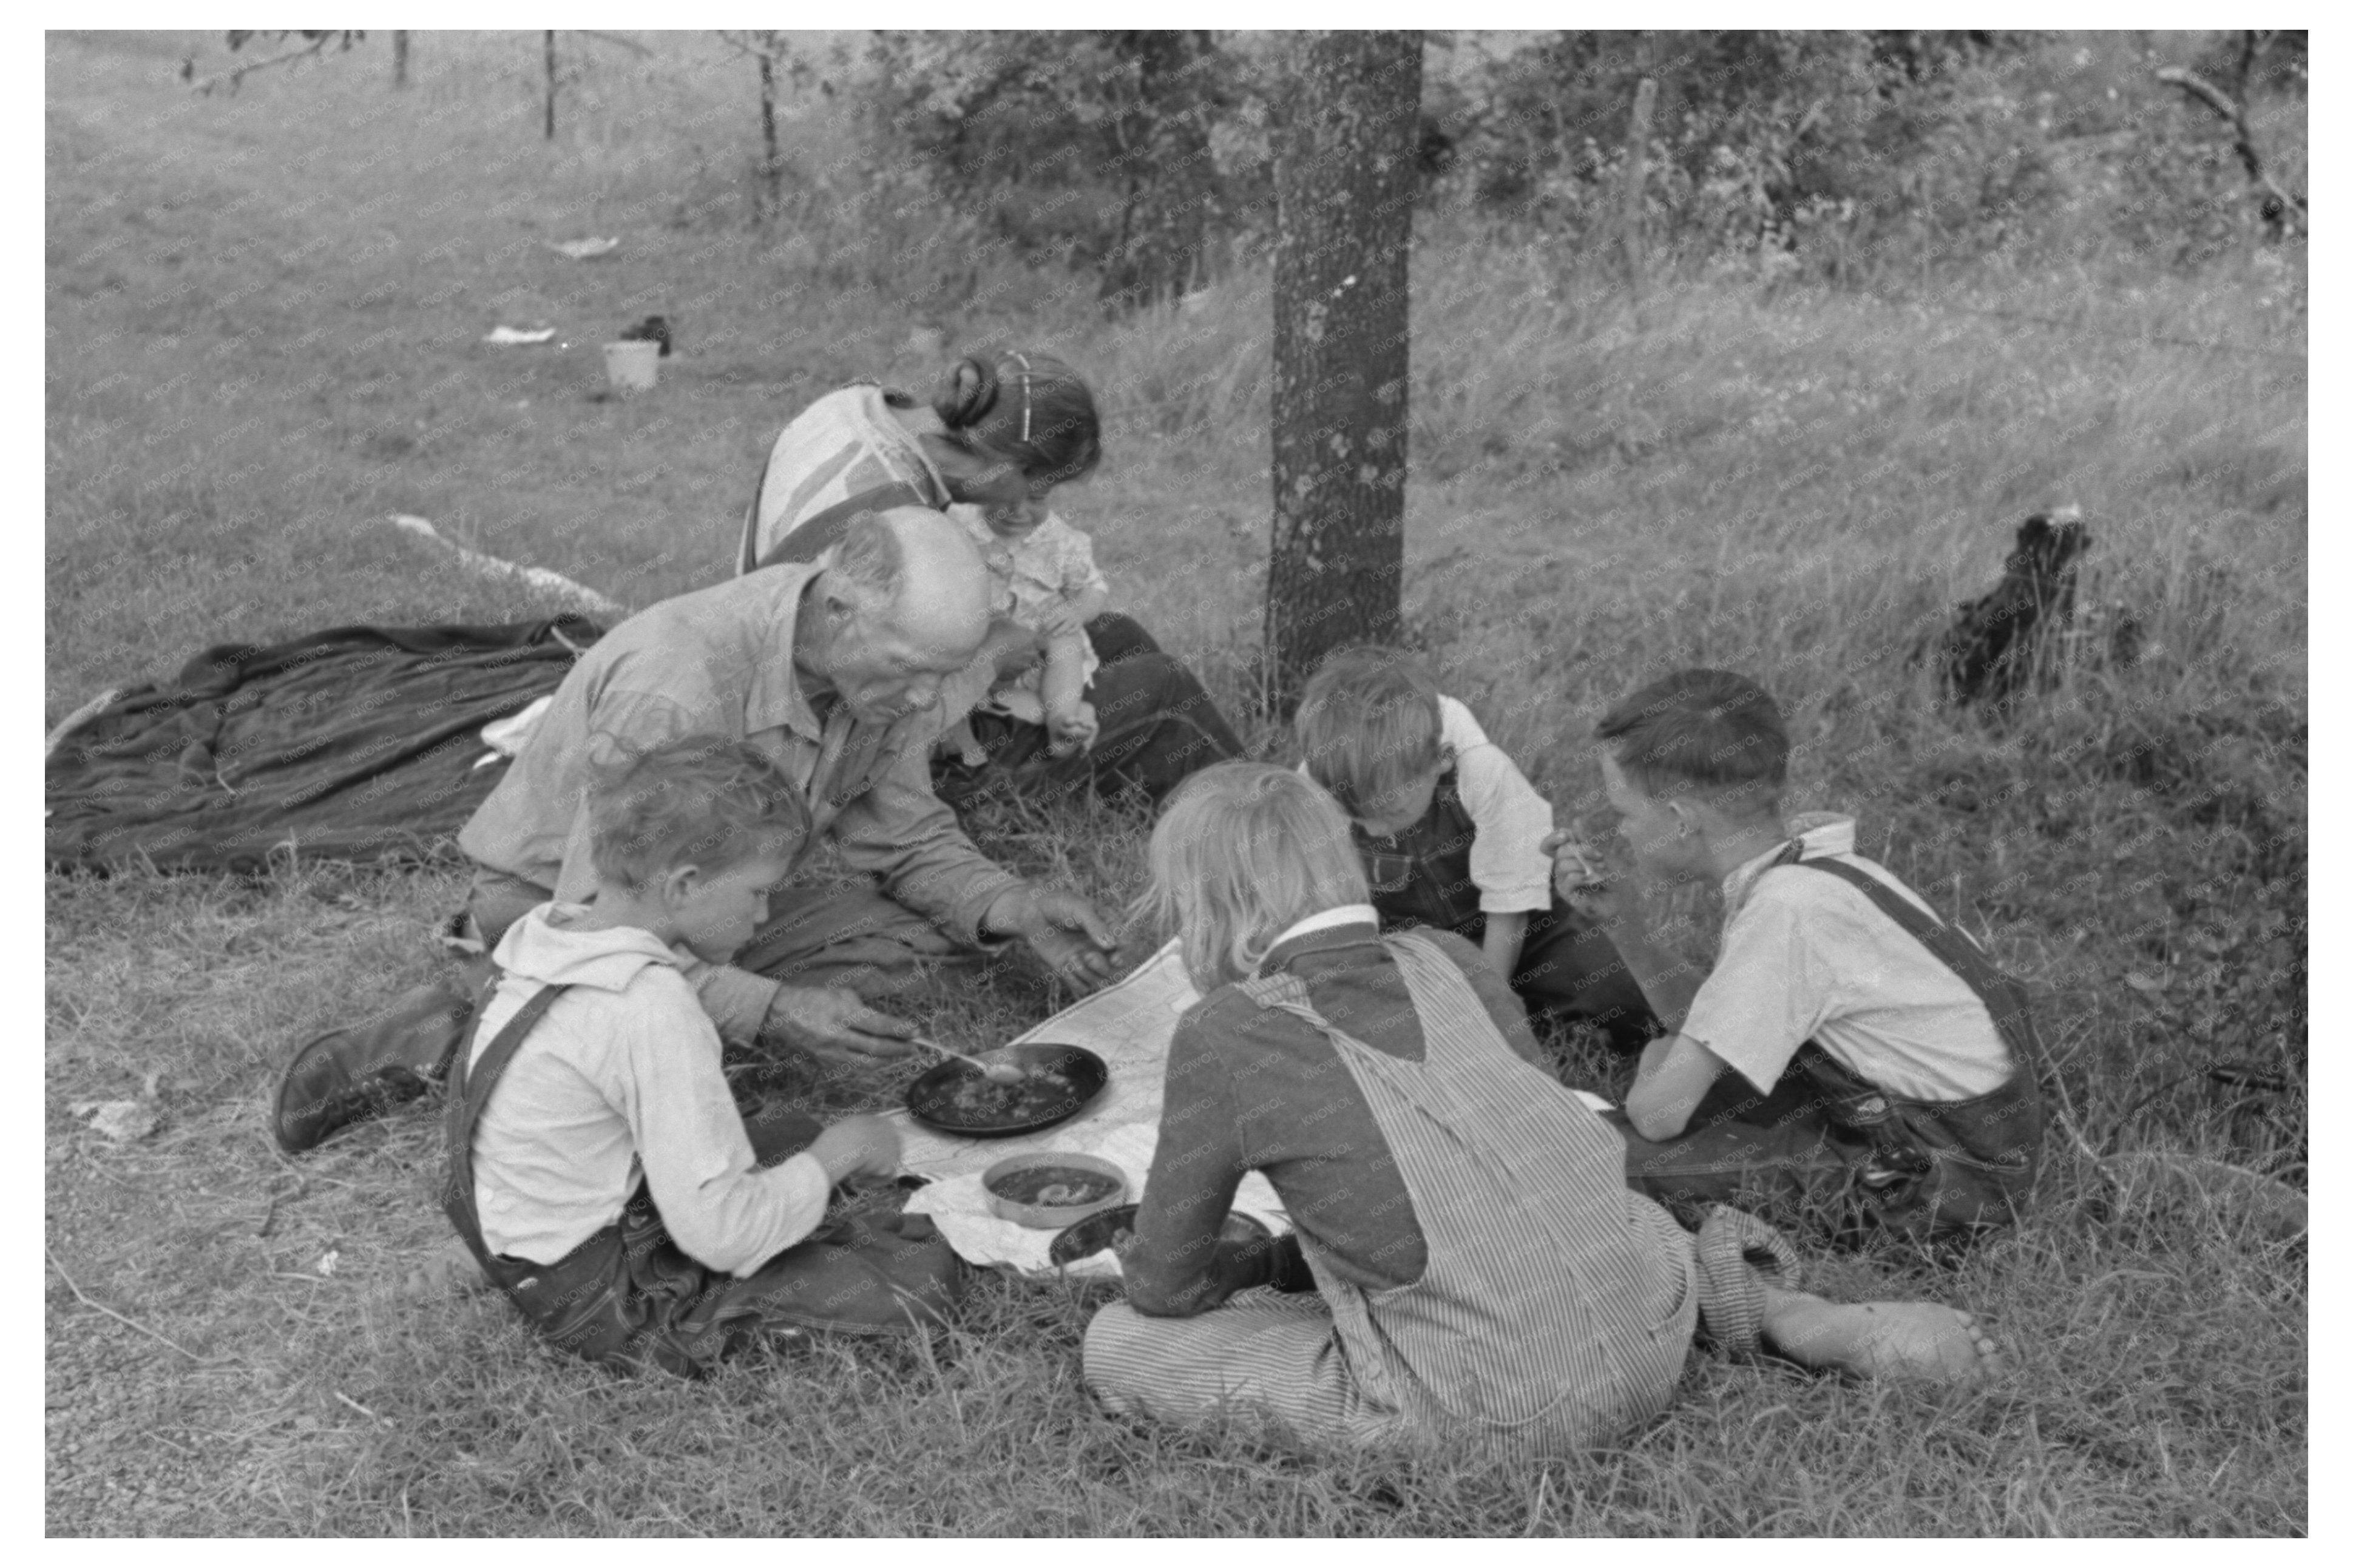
(1000, 433)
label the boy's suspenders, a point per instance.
(470, 1093)
(2004, 997)
(629, 1295)
(1941, 1164)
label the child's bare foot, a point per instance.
(968, 746)
(1070, 730)
(1908, 1341)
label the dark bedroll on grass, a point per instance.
(359, 743)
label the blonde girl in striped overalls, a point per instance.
(1468, 1265)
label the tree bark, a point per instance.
(1344, 185)
(1638, 142)
(1160, 142)
(771, 171)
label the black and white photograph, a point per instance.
(1283, 784)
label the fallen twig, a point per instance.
(616, 41)
(78, 718)
(539, 577)
(2233, 113)
(230, 79)
(83, 1297)
(363, 1409)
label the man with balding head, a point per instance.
(833, 671)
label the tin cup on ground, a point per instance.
(629, 367)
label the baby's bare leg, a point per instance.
(1917, 1341)
(967, 745)
(1062, 684)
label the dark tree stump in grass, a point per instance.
(1344, 184)
(2015, 640)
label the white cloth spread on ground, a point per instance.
(1129, 1024)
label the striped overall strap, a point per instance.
(836, 459)
(1538, 1308)
(821, 532)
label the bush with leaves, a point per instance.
(1095, 147)
(1145, 157)
(1758, 137)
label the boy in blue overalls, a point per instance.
(1451, 837)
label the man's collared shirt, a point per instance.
(719, 660)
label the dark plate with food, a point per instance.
(1112, 1228)
(1057, 1083)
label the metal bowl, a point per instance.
(1097, 1232)
(933, 1097)
(1052, 1210)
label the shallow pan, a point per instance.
(955, 1098)
(1099, 1231)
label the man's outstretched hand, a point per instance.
(1068, 933)
(830, 1023)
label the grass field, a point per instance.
(264, 315)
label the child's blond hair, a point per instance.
(1242, 852)
(1368, 725)
(708, 801)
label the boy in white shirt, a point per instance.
(599, 1170)
(1847, 1045)
(1452, 835)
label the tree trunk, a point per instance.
(1344, 184)
(1161, 141)
(550, 37)
(1638, 142)
(400, 59)
(770, 171)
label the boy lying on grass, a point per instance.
(1848, 1045)
(1469, 1266)
(1451, 836)
(599, 1172)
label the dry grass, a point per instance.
(264, 343)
